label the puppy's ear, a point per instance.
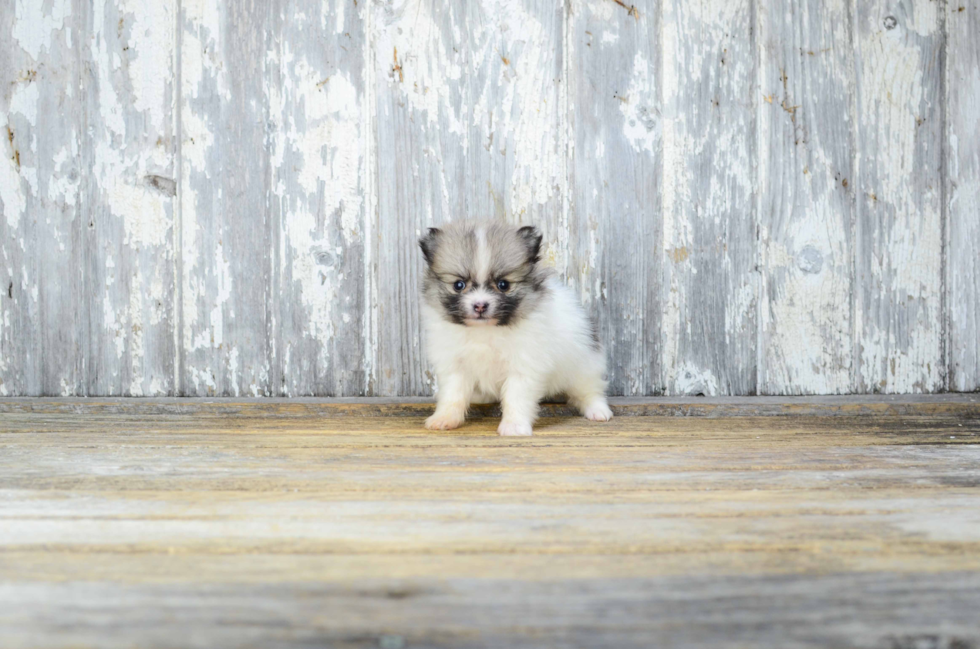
(532, 242)
(428, 244)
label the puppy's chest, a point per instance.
(488, 360)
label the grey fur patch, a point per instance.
(594, 327)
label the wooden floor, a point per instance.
(824, 523)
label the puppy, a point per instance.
(502, 327)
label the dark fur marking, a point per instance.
(428, 244)
(532, 241)
(451, 302)
(507, 306)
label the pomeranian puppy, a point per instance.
(501, 327)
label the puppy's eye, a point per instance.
(459, 285)
(503, 285)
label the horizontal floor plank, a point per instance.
(242, 525)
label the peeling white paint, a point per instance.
(639, 107)
(424, 81)
(486, 95)
(151, 58)
(963, 195)
(12, 195)
(705, 218)
(35, 21)
(901, 300)
(688, 379)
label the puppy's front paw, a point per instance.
(443, 421)
(598, 411)
(514, 429)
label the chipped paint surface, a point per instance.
(710, 299)
(806, 209)
(899, 234)
(963, 193)
(615, 138)
(319, 162)
(226, 201)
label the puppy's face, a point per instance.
(482, 274)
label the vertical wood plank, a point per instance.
(128, 193)
(898, 244)
(42, 234)
(320, 193)
(469, 126)
(615, 231)
(228, 73)
(963, 191)
(19, 317)
(709, 281)
(806, 178)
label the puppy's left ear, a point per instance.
(532, 242)
(428, 244)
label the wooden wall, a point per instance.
(222, 197)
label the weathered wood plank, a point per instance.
(19, 362)
(469, 126)
(710, 284)
(913, 610)
(807, 532)
(321, 196)
(128, 196)
(962, 82)
(963, 406)
(43, 308)
(812, 611)
(806, 162)
(227, 322)
(898, 244)
(615, 231)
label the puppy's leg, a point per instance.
(587, 393)
(452, 401)
(519, 401)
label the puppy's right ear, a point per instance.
(532, 241)
(428, 244)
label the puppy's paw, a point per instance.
(598, 411)
(514, 429)
(444, 421)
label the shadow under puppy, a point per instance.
(502, 327)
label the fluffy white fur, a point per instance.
(548, 351)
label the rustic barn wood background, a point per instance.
(204, 197)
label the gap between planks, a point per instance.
(965, 406)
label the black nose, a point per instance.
(480, 307)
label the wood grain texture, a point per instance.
(228, 76)
(362, 531)
(615, 116)
(963, 192)
(320, 171)
(806, 165)
(43, 308)
(710, 283)
(128, 196)
(898, 244)
(468, 126)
